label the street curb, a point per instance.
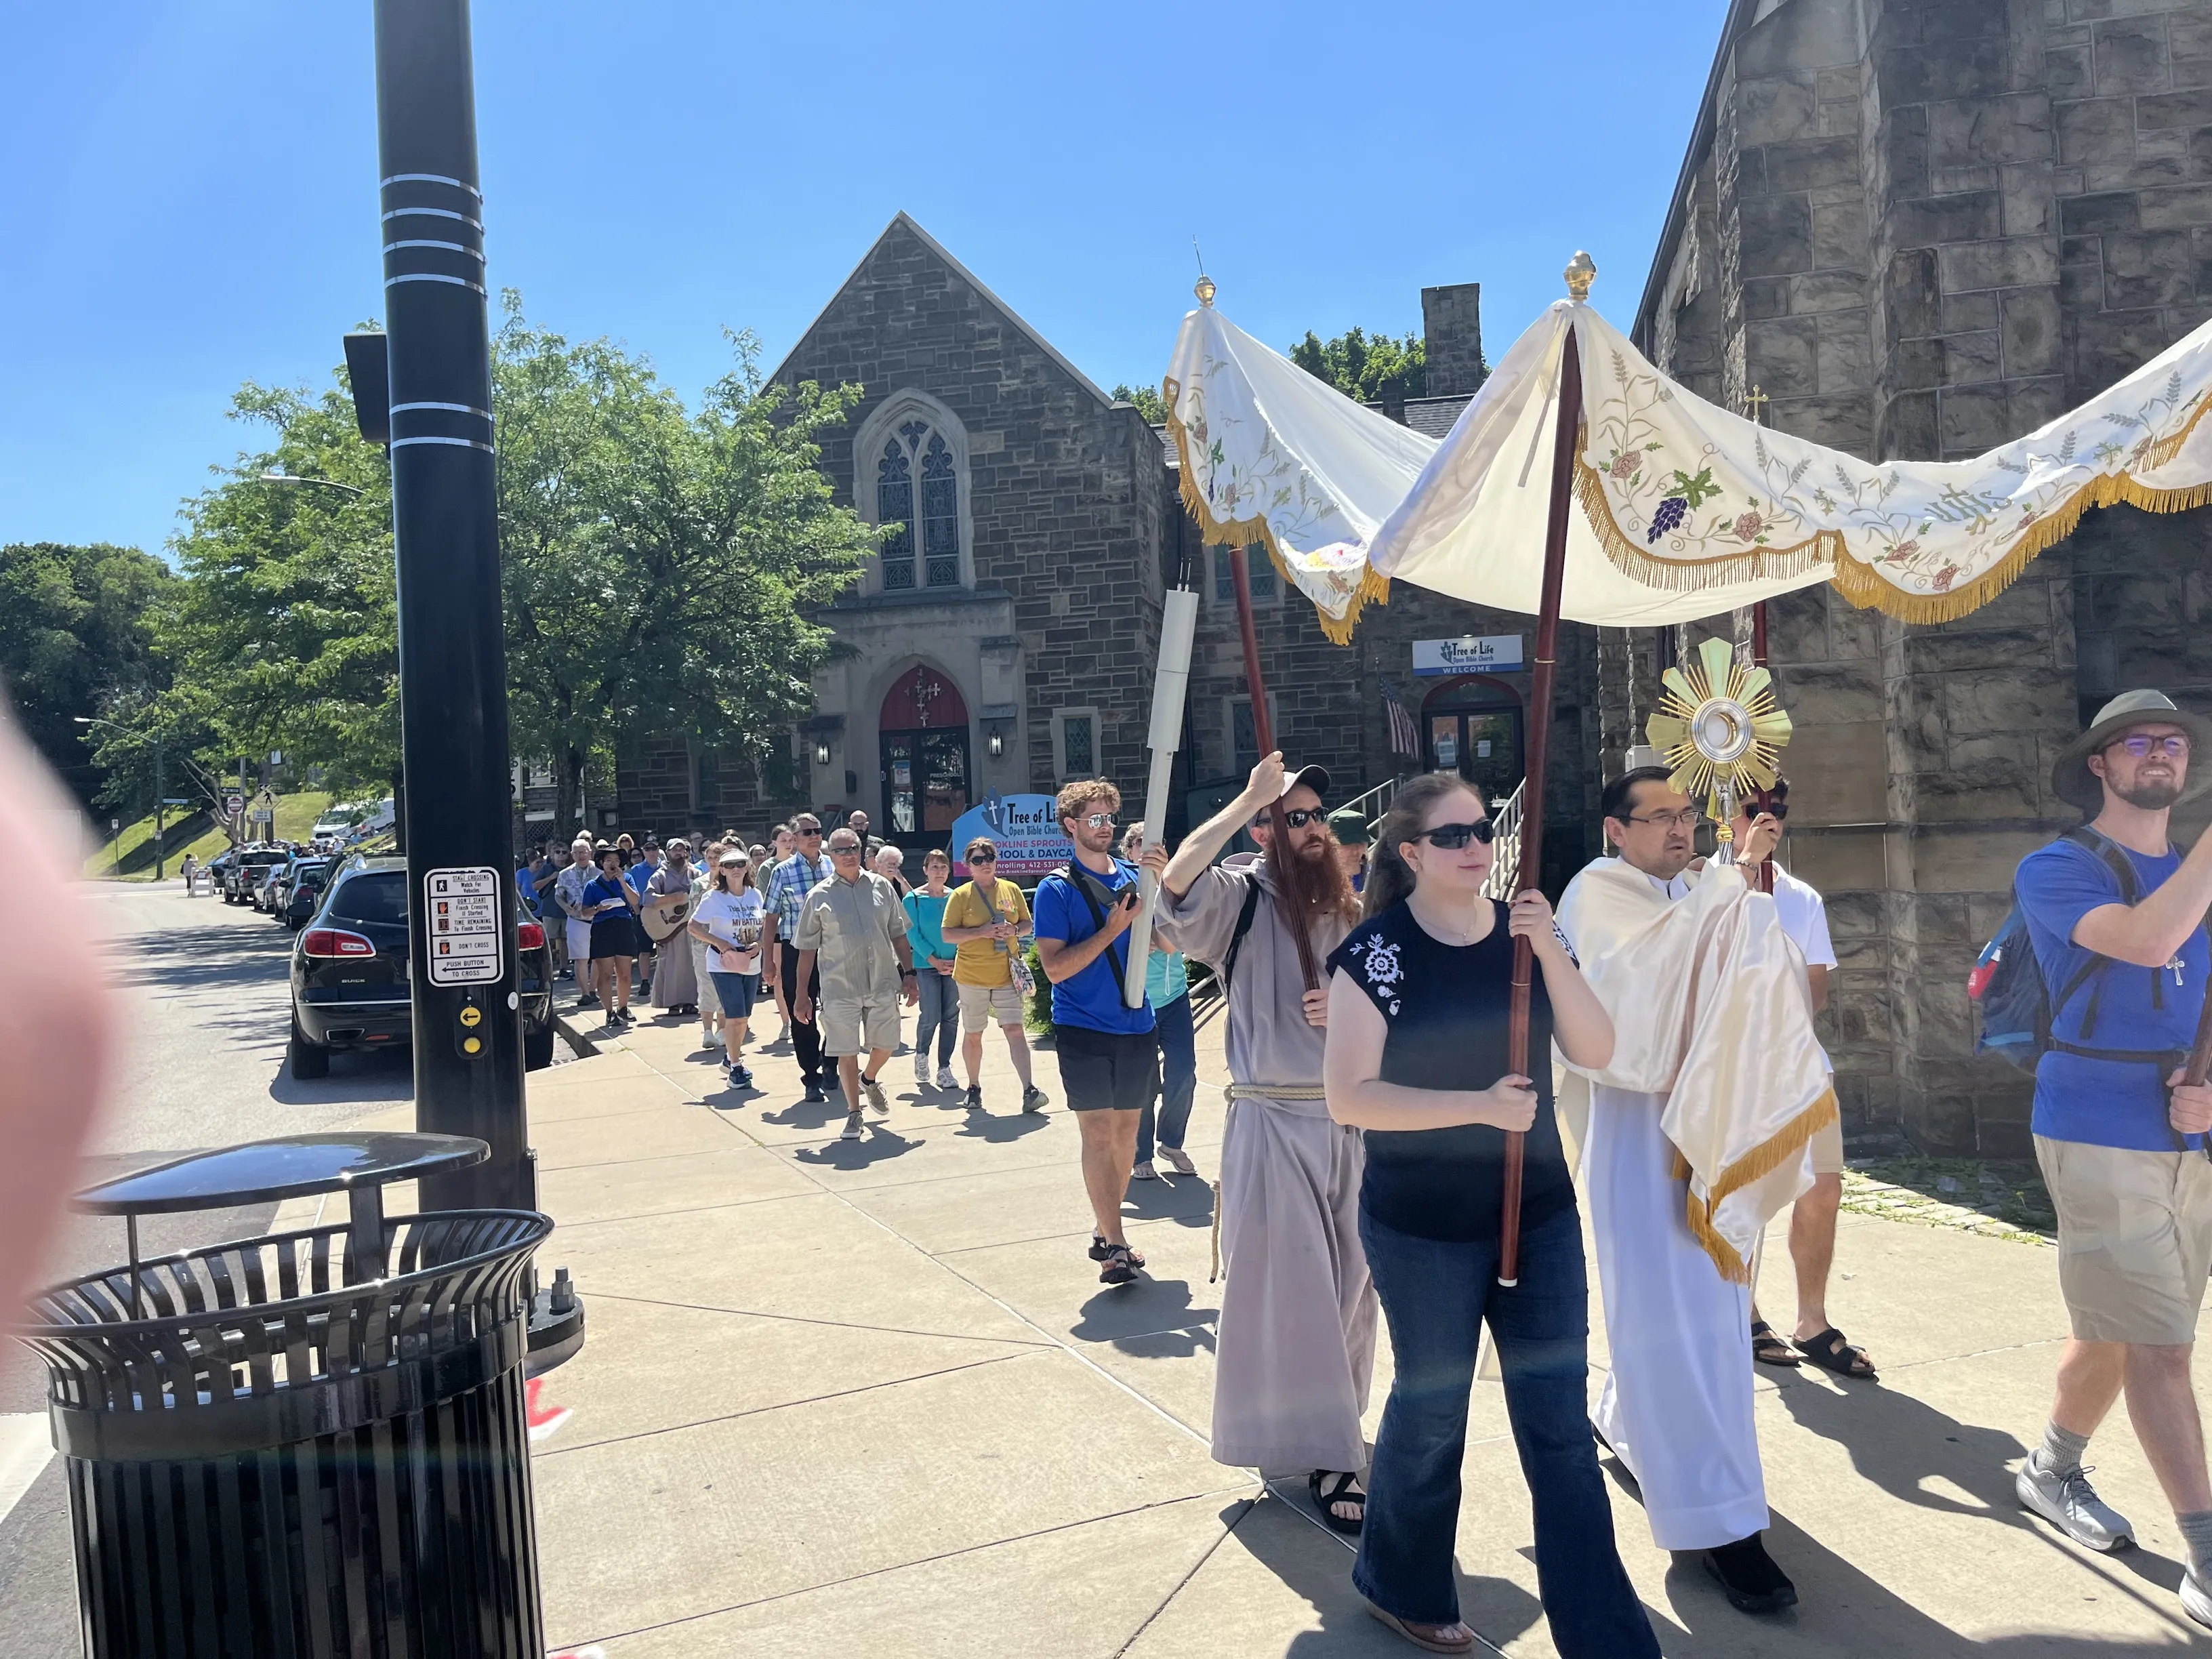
(578, 1044)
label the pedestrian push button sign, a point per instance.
(461, 908)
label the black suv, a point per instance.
(349, 971)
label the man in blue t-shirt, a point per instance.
(1108, 1052)
(2120, 1139)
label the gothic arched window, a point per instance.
(895, 511)
(922, 546)
(941, 515)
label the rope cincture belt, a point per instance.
(1235, 1091)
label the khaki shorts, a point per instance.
(1828, 1146)
(983, 1006)
(2135, 1239)
(855, 1027)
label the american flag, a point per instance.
(1405, 737)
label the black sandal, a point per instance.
(1769, 1349)
(1100, 1249)
(1339, 1490)
(1121, 1268)
(1831, 1352)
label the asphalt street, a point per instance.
(203, 991)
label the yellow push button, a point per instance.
(471, 1016)
(472, 1045)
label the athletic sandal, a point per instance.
(1100, 1249)
(1769, 1349)
(1831, 1352)
(1337, 1490)
(1429, 1638)
(1121, 1267)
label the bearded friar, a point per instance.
(1296, 1347)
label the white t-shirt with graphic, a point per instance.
(734, 921)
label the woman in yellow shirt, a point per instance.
(988, 919)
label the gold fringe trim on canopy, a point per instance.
(1754, 1165)
(1244, 533)
(1854, 578)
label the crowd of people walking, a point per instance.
(1368, 986)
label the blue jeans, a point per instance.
(1178, 1079)
(1436, 1297)
(939, 1012)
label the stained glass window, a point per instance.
(1259, 570)
(895, 509)
(1076, 745)
(941, 515)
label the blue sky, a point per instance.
(191, 198)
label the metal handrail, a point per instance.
(1506, 846)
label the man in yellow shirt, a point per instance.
(986, 921)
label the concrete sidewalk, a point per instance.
(845, 1397)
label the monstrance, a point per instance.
(1720, 731)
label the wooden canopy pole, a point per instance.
(1263, 733)
(1564, 438)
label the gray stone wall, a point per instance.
(2034, 190)
(1451, 330)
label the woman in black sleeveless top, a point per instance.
(1418, 1002)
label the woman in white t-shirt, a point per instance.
(728, 921)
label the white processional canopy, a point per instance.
(1687, 510)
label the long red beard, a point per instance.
(1318, 883)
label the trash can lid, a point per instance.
(291, 1166)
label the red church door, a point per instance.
(923, 742)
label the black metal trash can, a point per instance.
(284, 1457)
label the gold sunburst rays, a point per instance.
(1719, 728)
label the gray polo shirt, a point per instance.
(851, 926)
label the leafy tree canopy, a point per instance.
(1367, 367)
(1146, 400)
(76, 639)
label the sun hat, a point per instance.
(731, 857)
(2072, 781)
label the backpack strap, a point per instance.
(1244, 917)
(2115, 859)
(1083, 881)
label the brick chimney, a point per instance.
(1451, 333)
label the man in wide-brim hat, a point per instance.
(2116, 918)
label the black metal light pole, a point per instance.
(453, 658)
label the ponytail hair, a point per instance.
(1389, 879)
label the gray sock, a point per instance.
(2061, 1450)
(2197, 1533)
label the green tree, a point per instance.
(1146, 400)
(283, 633)
(1368, 368)
(658, 564)
(76, 639)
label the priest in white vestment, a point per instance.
(1694, 1137)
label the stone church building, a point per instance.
(1005, 638)
(1916, 229)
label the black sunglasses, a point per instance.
(810, 835)
(1779, 812)
(1452, 836)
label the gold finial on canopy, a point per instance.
(1581, 272)
(1204, 289)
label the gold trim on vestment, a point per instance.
(1754, 1165)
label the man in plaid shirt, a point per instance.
(788, 885)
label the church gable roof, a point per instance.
(903, 224)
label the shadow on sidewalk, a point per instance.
(1145, 1311)
(879, 1145)
(999, 1129)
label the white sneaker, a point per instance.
(852, 1127)
(2071, 1504)
(946, 1080)
(2194, 1600)
(921, 1069)
(710, 1039)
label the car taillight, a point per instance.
(335, 942)
(529, 936)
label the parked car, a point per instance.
(268, 890)
(215, 869)
(349, 967)
(248, 868)
(304, 881)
